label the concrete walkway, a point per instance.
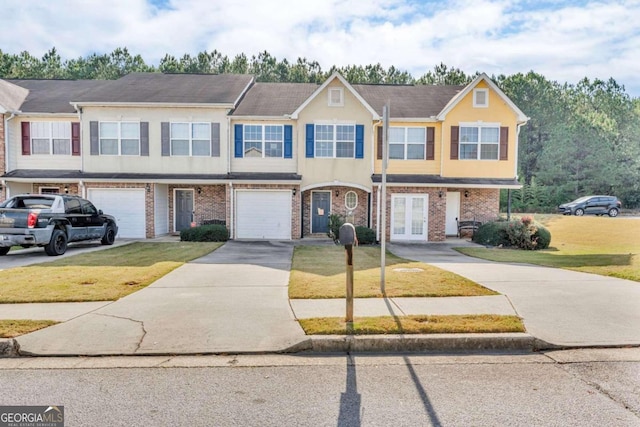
(561, 307)
(232, 300)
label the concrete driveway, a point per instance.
(234, 299)
(558, 306)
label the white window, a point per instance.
(406, 143)
(190, 139)
(49, 190)
(51, 138)
(479, 142)
(351, 200)
(481, 98)
(336, 97)
(335, 141)
(120, 138)
(263, 140)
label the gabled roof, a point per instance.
(408, 101)
(158, 88)
(53, 96)
(274, 99)
(346, 84)
(522, 118)
(11, 96)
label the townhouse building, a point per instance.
(164, 152)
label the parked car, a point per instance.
(592, 205)
(51, 221)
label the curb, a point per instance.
(414, 343)
(9, 348)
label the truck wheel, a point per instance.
(109, 236)
(4, 251)
(58, 243)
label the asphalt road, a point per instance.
(571, 388)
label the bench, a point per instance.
(468, 225)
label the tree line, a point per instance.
(581, 139)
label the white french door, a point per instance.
(409, 217)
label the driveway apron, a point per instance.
(234, 299)
(561, 307)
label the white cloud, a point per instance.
(564, 42)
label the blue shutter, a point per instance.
(359, 141)
(238, 140)
(310, 140)
(288, 141)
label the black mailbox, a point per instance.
(347, 234)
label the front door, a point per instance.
(453, 213)
(409, 217)
(184, 209)
(320, 207)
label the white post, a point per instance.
(383, 197)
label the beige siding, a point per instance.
(317, 171)
(266, 164)
(155, 162)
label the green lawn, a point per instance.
(320, 272)
(104, 275)
(600, 245)
(485, 323)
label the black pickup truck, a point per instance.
(51, 221)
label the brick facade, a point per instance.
(359, 216)
(209, 203)
(481, 204)
(3, 190)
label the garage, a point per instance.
(127, 205)
(263, 214)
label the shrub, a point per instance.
(365, 235)
(205, 233)
(335, 222)
(523, 233)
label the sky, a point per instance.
(563, 40)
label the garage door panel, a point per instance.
(126, 205)
(263, 215)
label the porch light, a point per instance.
(466, 193)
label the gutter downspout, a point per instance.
(228, 143)
(6, 152)
(378, 213)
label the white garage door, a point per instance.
(127, 205)
(263, 215)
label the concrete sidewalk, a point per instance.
(232, 300)
(560, 307)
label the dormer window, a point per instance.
(481, 98)
(336, 97)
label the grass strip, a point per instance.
(423, 324)
(104, 275)
(14, 328)
(320, 272)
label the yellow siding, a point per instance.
(497, 112)
(428, 167)
(266, 164)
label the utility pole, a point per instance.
(383, 196)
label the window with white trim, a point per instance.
(479, 142)
(481, 98)
(336, 97)
(337, 141)
(190, 139)
(120, 138)
(263, 140)
(51, 138)
(407, 143)
(351, 200)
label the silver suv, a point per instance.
(592, 205)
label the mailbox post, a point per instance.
(347, 237)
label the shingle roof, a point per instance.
(11, 96)
(274, 99)
(54, 96)
(440, 180)
(408, 101)
(171, 88)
